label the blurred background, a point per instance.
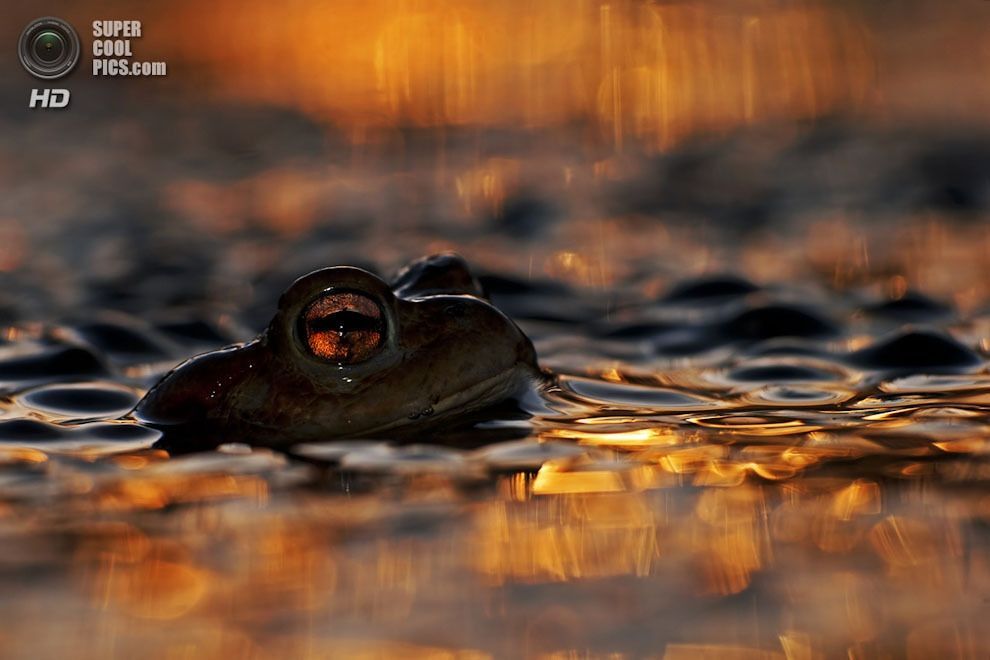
(584, 141)
(646, 74)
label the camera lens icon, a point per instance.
(48, 48)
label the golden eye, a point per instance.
(344, 327)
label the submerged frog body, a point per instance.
(349, 355)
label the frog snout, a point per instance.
(196, 391)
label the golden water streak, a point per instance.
(640, 71)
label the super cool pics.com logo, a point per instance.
(49, 49)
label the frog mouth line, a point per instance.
(475, 397)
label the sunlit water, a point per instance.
(767, 431)
(787, 461)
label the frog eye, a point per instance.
(344, 327)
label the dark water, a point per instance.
(769, 437)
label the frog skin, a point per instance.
(348, 355)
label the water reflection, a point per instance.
(839, 566)
(688, 523)
(797, 504)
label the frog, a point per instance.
(350, 355)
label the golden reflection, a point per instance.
(730, 543)
(15, 455)
(586, 476)
(148, 580)
(483, 189)
(647, 437)
(854, 560)
(690, 459)
(756, 424)
(584, 269)
(158, 493)
(947, 638)
(347, 646)
(903, 543)
(567, 538)
(858, 498)
(139, 460)
(645, 72)
(720, 652)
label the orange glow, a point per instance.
(719, 652)
(644, 72)
(649, 437)
(609, 535)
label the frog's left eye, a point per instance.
(345, 327)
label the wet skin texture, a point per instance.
(348, 355)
